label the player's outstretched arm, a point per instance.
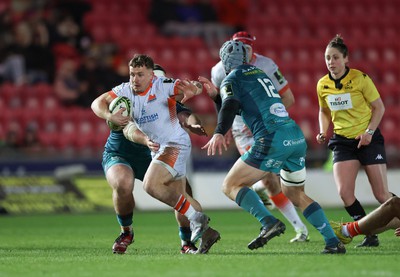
(215, 143)
(193, 124)
(189, 89)
(211, 90)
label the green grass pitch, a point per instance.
(80, 245)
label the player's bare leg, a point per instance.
(121, 180)
(159, 183)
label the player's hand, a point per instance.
(321, 137)
(188, 88)
(118, 118)
(153, 146)
(228, 137)
(365, 139)
(195, 129)
(216, 142)
(211, 90)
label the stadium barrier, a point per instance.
(62, 193)
(320, 186)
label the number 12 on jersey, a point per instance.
(269, 87)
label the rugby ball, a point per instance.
(117, 104)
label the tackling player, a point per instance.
(268, 187)
(279, 147)
(385, 217)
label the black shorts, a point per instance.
(345, 149)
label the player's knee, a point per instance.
(148, 187)
(226, 189)
(229, 188)
(345, 195)
(393, 204)
(123, 189)
(395, 200)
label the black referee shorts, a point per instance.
(345, 149)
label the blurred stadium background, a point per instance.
(57, 56)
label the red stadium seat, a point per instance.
(389, 127)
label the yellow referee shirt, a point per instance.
(349, 101)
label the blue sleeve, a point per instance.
(230, 107)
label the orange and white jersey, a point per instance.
(154, 111)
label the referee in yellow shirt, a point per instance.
(349, 99)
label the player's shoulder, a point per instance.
(121, 89)
(163, 82)
(323, 80)
(356, 73)
(264, 59)
(217, 70)
(217, 66)
(233, 77)
(360, 79)
(217, 74)
(244, 69)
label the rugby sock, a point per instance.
(351, 229)
(248, 200)
(355, 210)
(125, 221)
(316, 216)
(287, 208)
(185, 234)
(184, 207)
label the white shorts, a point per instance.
(174, 158)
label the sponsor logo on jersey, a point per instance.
(292, 142)
(251, 71)
(226, 91)
(278, 109)
(168, 80)
(278, 75)
(340, 102)
(152, 97)
(272, 163)
(348, 85)
(147, 118)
